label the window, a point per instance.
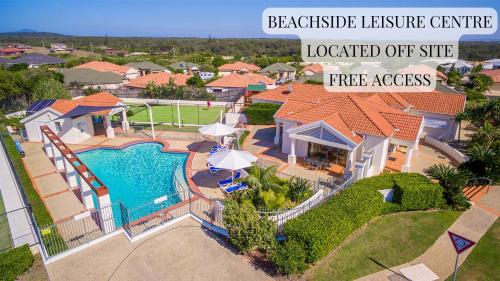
(58, 126)
(332, 154)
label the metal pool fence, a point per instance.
(75, 231)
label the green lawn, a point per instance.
(168, 114)
(387, 241)
(5, 241)
(482, 263)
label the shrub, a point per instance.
(15, 262)
(384, 181)
(261, 113)
(418, 196)
(290, 257)
(299, 189)
(247, 231)
(323, 228)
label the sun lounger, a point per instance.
(235, 187)
(212, 169)
(229, 180)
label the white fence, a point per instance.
(446, 148)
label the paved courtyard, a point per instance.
(184, 251)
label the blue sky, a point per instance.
(164, 18)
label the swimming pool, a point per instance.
(135, 176)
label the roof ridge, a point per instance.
(364, 110)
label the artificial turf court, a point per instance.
(190, 114)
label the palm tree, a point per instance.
(452, 182)
(483, 161)
(487, 136)
(269, 191)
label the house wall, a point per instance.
(132, 74)
(104, 86)
(286, 141)
(72, 130)
(448, 133)
(379, 148)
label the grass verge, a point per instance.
(41, 214)
(387, 241)
(5, 239)
(482, 263)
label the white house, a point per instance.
(463, 67)
(75, 120)
(358, 130)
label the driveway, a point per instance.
(184, 251)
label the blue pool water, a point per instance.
(136, 176)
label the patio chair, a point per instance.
(235, 187)
(307, 162)
(212, 169)
(229, 180)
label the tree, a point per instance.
(218, 61)
(455, 79)
(49, 89)
(195, 81)
(247, 231)
(270, 192)
(452, 182)
(483, 161)
(481, 82)
(480, 113)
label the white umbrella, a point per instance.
(232, 159)
(217, 130)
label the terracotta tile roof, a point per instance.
(238, 66)
(336, 122)
(99, 99)
(352, 114)
(493, 73)
(160, 78)
(105, 66)
(435, 102)
(236, 80)
(315, 68)
(11, 50)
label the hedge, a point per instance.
(41, 214)
(324, 227)
(261, 113)
(15, 262)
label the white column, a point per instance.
(86, 194)
(349, 162)
(47, 146)
(277, 135)
(407, 163)
(125, 123)
(106, 213)
(58, 158)
(71, 174)
(292, 158)
(110, 133)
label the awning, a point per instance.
(256, 87)
(81, 110)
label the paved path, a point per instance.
(440, 257)
(184, 251)
(20, 225)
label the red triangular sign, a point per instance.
(459, 242)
